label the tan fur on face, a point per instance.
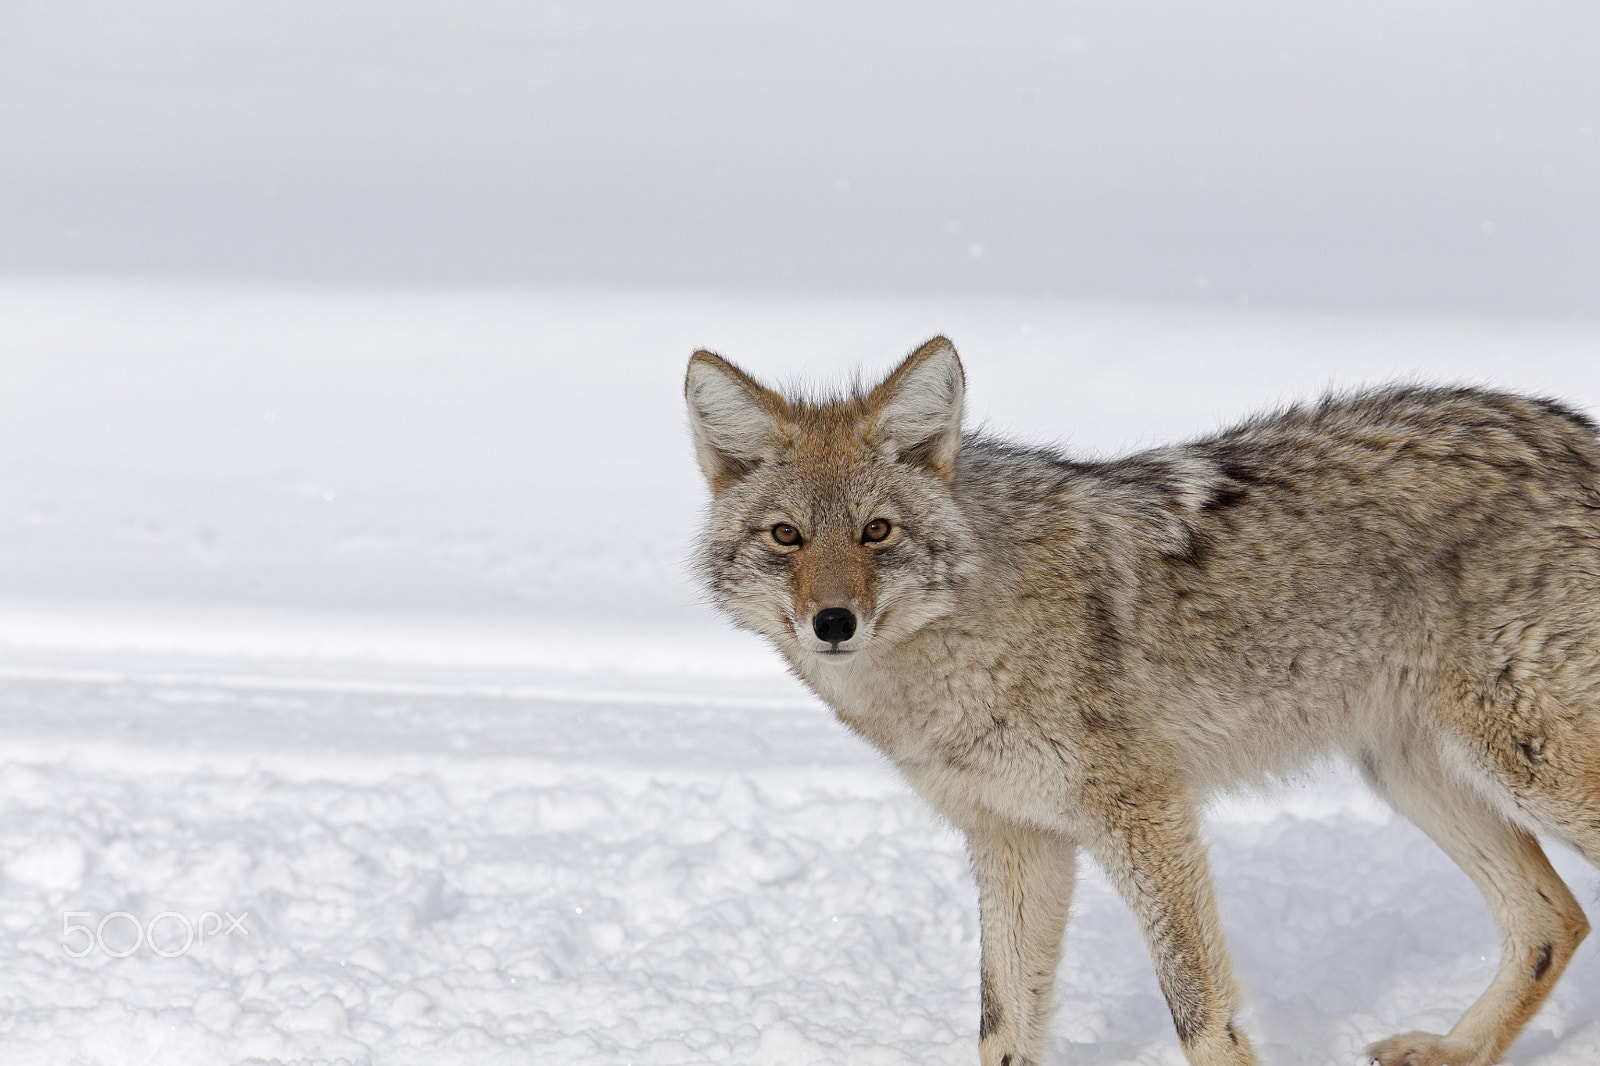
(834, 572)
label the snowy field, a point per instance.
(347, 632)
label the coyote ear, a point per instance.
(917, 409)
(734, 420)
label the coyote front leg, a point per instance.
(1152, 852)
(1025, 879)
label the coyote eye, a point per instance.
(786, 534)
(876, 529)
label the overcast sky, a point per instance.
(1343, 156)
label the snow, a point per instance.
(408, 680)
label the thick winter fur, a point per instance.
(1061, 655)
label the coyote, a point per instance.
(1060, 654)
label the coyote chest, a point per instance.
(943, 712)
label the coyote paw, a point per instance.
(1000, 1049)
(1419, 1049)
(998, 1056)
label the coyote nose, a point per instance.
(834, 625)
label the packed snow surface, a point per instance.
(355, 706)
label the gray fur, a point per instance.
(1061, 655)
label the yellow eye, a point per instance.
(786, 534)
(876, 529)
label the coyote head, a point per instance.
(833, 528)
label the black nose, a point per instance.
(834, 625)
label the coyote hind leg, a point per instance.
(1540, 922)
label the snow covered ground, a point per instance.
(347, 630)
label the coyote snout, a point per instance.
(1064, 656)
(834, 625)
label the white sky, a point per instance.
(1346, 156)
